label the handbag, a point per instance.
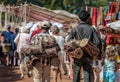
(5, 47)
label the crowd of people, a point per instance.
(105, 68)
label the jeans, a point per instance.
(87, 72)
(12, 57)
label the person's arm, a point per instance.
(71, 35)
(16, 40)
(2, 39)
(61, 45)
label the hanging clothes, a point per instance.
(100, 20)
(118, 16)
(113, 6)
(94, 20)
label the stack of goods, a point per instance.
(42, 45)
(72, 48)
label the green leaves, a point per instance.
(68, 5)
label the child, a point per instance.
(109, 65)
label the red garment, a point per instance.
(94, 20)
(109, 37)
(35, 32)
(113, 6)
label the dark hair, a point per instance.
(8, 26)
(45, 27)
(84, 15)
(16, 30)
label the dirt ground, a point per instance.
(12, 74)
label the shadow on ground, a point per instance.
(9, 74)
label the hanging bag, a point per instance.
(5, 47)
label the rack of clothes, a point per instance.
(104, 15)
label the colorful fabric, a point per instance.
(113, 6)
(109, 37)
(117, 76)
(94, 21)
(109, 76)
(117, 57)
(109, 66)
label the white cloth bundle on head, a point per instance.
(59, 25)
(35, 26)
(29, 25)
(23, 29)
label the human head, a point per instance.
(16, 30)
(23, 30)
(45, 25)
(8, 27)
(35, 62)
(54, 29)
(84, 15)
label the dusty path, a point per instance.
(11, 74)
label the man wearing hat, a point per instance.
(42, 67)
(84, 30)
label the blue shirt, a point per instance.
(13, 45)
(7, 36)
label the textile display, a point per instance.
(103, 15)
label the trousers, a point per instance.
(87, 72)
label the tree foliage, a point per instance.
(73, 6)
